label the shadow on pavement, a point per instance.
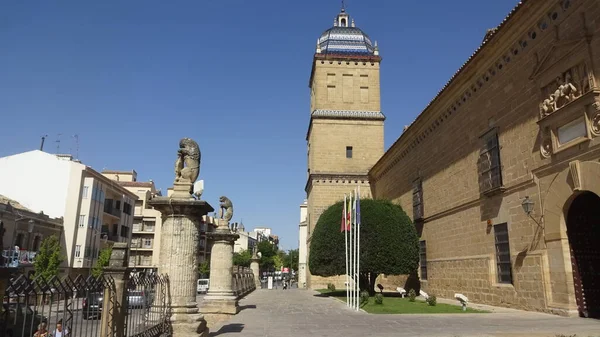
(233, 328)
(249, 306)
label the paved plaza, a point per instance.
(297, 313)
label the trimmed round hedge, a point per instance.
(389, 243)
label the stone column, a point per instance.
(255, 270)
(180, 234)
(117, 271)
(220, 298)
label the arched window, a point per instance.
(36, 243)
(343, 23)
(19, 241)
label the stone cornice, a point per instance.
(344, 114)
(348, 114)
(337, 177)
(341, 57)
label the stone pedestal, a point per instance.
(220, 298)
(255, 270)
(180, 235)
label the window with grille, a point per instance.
(417, 200)
(490, 171)
(503, 265)
(77, 250)
(423, 259)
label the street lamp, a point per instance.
(527, 205)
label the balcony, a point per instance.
(17, 258)
(140, 261)
(109, 209)
(138, 244)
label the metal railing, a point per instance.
(41, 305)
(148, 306)
(109, 305)
(15, 258)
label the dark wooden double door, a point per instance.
(583, 229)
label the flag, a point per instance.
(343, 225)
(349, 214)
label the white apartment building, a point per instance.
(147, 222)
(302, 258)
(96, 210)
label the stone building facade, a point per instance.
(21, 227)
(345, 133)
(501, 170)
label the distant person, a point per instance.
(42, 331)
(59, 331)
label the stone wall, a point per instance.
(500, 89)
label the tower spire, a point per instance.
(343, 6)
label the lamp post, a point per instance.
(527, 205)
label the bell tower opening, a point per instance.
(583, 230)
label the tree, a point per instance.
(103, 260)
(389, 243)
(277, 262)
(242, 259)
(48, 259)
(204, 269)
(268, 252)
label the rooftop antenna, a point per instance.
(58, 143)
(43, 140)
(76, 146)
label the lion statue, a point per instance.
(226, 208)
(187, 166)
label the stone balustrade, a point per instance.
(242, 281)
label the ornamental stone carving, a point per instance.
(226, 208)
(595, 120)
(567, 87)
(187, 166)
(546, 144)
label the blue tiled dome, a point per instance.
(345, 40)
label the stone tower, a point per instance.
(345, 133)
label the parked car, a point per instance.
(92, 306)
(203, 285)
(139, 298)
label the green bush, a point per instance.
(364, 297)
(389, 242)
(431, 300)
(412, 295)
(379, 298)
(331, 286)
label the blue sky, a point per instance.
(131, 78)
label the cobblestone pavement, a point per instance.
(277, 313)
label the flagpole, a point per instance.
(358, 241)
(351, 246)
(354, 252)
(345, 218)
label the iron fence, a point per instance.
(42, 307)
(111, 305)
(148, 306)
